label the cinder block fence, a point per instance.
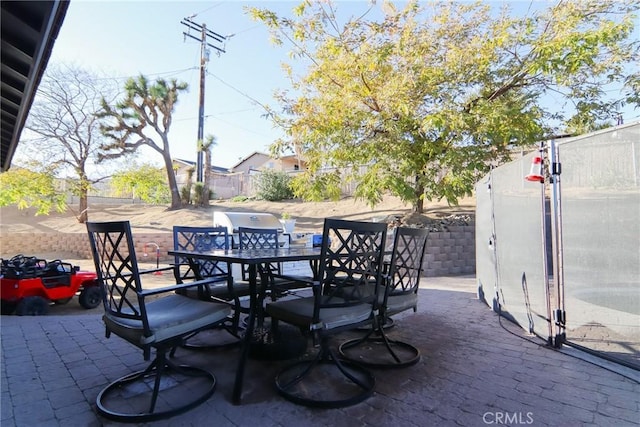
(448, 253)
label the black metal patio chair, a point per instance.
(267, 238)
(216, 278)
(341, 301)
(151, 319)
(399, 292)
(259, 238)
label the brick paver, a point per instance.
(474, 371)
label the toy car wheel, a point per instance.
(90, 297)
(7, 307)
(62, 301)
(32, 306)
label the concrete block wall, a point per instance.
(448, 252)
(40, 243)
(77, 244)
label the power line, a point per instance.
(160, 73)
(204, 37)
(239, 126)
(243, 110)
(245, 30)
(206, 10)
(215, 115)
(255, 101)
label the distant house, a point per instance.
(237, 180)
(182, 168)
(260, 161)
(249, 168)
(223, 185)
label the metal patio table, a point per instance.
(252, 258)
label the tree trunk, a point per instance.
(83, 207)
(418, 204)
(176, 201)
(207, 177)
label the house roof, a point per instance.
(258, 153)
(218, 169)
(294, 157)
(29, 30)
(244, 159)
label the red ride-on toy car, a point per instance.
(28, 285)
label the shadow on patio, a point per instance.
(474, 371)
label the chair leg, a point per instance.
(376, 350)
(386, 324)
(127, 399)
(297, 378)
(160, 365)
(325, 381)
(231, 326)
(192, 345)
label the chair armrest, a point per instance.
(152, 270)
(155, 270)
(171, 288)
(308, 280)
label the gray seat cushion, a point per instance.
(395, 303)
(400, 303)
(221, 291)
(169, 317)
(240, 288)
(299, 312)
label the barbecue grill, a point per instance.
(233, 220)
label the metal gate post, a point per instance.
(556, 237)
(494, 246)
(542, 178)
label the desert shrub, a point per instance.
(274, 186)
(185, 194)
(198, 194)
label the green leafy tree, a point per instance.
(66, 129)
(27, 188)
(129, 124)
(428, 97)
(146, 181)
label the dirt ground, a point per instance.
(149, 218)
(146, 218)
(309, 216)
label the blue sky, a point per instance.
(128, 38)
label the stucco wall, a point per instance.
(448, 252)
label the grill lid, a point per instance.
(233, 220)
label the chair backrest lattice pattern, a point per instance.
(200, 239)
(257, 238)
(117, 269)
(396, 293)
(351, 261)
(406, 261)
(157, 319)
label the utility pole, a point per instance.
(203, 38)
